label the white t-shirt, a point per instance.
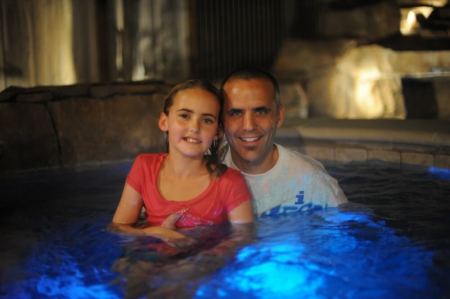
(296, 184)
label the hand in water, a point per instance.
(171, 236)
(172, 219)
(181, 243)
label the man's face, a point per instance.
(251, 118)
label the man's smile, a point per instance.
(249, 139)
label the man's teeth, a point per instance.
(249, 139)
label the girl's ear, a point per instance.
(163, 122)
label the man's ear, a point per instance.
(163, 122)
(281, 115)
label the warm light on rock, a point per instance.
(409, 23)
(366, 85)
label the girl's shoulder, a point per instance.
(232, 174)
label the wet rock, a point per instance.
(116, 128)
(368, 22)
(38, 97)
(27, 137)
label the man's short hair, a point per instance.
(254, 73)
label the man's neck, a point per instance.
(257, 167)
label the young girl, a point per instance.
(188, 186)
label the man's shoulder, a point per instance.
(231, 174)
(294, 159)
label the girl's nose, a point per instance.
(194, 126)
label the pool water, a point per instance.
(391, 241)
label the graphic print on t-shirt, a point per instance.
(299, 206)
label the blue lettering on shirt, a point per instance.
(300, 196)
(298, 207)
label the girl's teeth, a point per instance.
(192, 140)
(249, 139)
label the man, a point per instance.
(281, 181)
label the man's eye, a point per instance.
(234, 113)
(262, 111)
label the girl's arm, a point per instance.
(127, 213)
(242, 233)
(241, 219)
(128, 210)
(241, 214)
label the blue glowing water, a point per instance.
(442, 173)
(330, 255)
(392, 241)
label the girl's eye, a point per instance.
(183, 115)
(208, 120)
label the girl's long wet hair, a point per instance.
(213, 156)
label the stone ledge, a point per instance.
(427, 133)
(57, 126)
(102, 91)
(27, 137)
(402, 143)
(38, 97)
(419, 159)
(350, 155)
(93, 130)
(332, 154)
(96, 90)
(377, 156)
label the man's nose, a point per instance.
(248, 122)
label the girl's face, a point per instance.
(192, 122)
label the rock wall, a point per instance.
(352, 62)
(342, 79)
(81, 124)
